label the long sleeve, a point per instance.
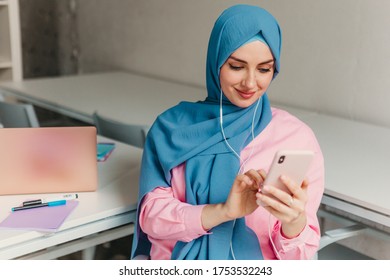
(166, 218)
(302, 247)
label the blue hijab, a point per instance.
(190, 132)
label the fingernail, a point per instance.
(260, 203)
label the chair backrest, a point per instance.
(17, 115)
(131, 134)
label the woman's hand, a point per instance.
(240, 202)
(242, 197)
(289, 209)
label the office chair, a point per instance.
(17, 115)
(127, 133)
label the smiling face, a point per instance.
(247, 73)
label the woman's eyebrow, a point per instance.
(243, 61)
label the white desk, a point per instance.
(120, 96)
(355, 154)
(110, 210)
(356, 165)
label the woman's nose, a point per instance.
(249, 80)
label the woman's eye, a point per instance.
(234, 67)
(264, 70)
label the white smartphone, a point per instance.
(292, 163)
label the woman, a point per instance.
(204, 162)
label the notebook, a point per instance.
(47, 160)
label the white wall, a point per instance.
(335, 56)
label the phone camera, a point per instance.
(281, 159)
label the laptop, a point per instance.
(47, 160)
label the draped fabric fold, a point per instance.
(190, 133)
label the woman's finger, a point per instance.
(256, 176)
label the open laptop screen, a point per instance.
(47, 160)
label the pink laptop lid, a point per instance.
(47, 160)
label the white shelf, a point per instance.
(5, 64)
(10, 42)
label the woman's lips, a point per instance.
(246, 94)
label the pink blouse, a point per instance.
(166, 217)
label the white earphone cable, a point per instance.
(270, 237)
(224, 136)
(242, 167)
